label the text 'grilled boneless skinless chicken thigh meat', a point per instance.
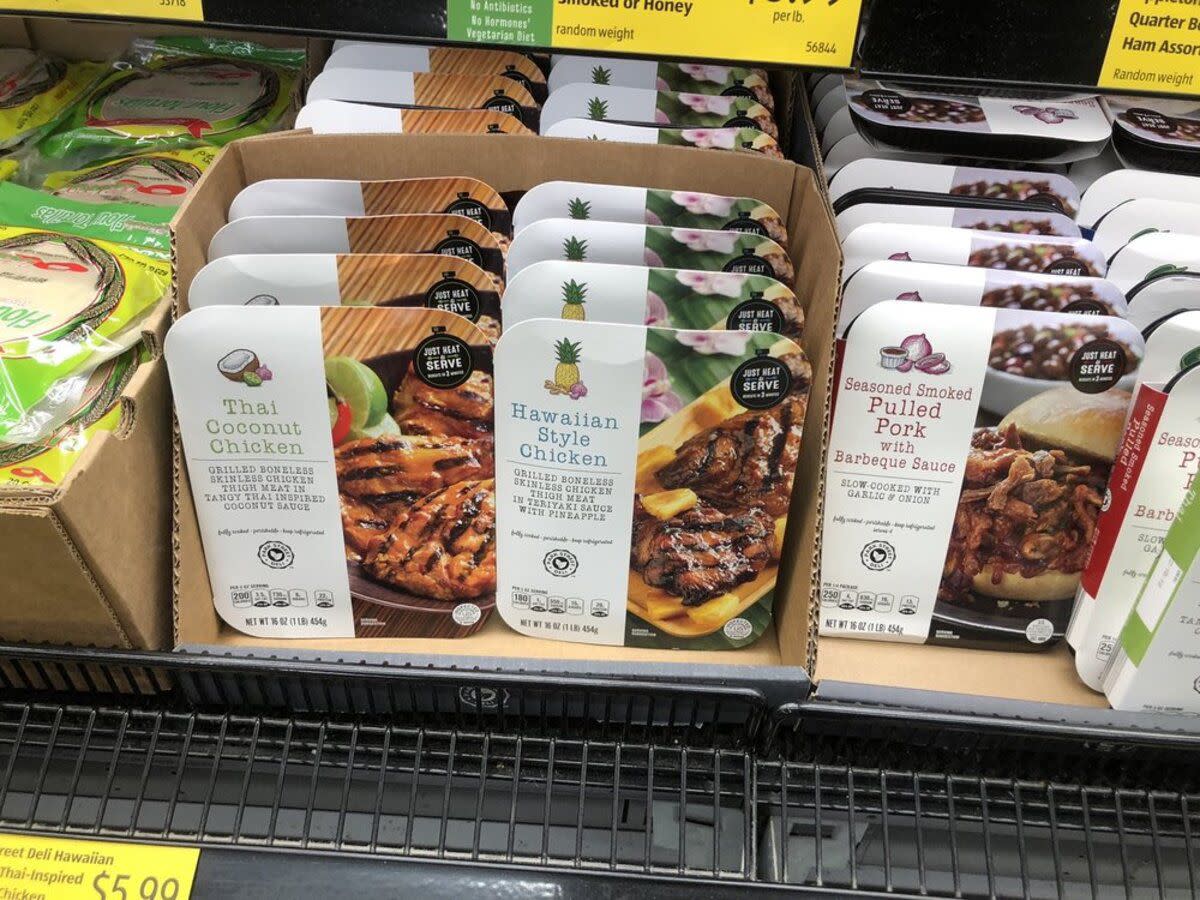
(464, 411)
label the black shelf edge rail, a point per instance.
(688, 713)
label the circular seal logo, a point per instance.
(468, 206)
(455, 296)
(878, 555)
(262, 300)
(505, 104)
(1086, 307)
(749, 264)
(1039, 631)
(443, 361)
(1107, 502)
(1068, 265)
(466, 614)
(889, 103)
(761, 382)
(1097, 366)
(743, 224)
(275, 555)
(755, 315)
(560, 563)
(460, 247)
(738, 629)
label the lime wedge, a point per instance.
(358, 386)
(384, 427)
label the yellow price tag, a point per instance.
(186, 10)
(93, 870)
(1154, 46)
(787, 32)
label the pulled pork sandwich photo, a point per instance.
(1032, 491)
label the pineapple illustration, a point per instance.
(601, 75)
(597, 108)
(574, 249)
(579, 209)
(566, 373)
(574, 296)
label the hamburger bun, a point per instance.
(1050, 585)
(1088, 425)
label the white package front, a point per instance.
(1151, 255)
(1137, 217)
(342, 117)
(1163, 295)
(1027, 222)
(1110, 191)
(262, 470)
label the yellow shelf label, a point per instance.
(94, 870)
(785, 32)
(1155, 46)
(186, 10)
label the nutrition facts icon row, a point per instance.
(280, 598)
(569, 606)
(866, 601)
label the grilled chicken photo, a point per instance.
(464, 411)
(399, 469)
(748, 460)
(443, 546)
(702, 552)
(363, 526)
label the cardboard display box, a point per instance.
(513, 163)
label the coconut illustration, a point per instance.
(236, 363)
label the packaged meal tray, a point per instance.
(645, 476)
(852, 148)
(875, 180)
(648, 206)
(444, 60)
(88, 406)
(464, 196)
(387, 530)
(427, 90)
(143, 179)
(442, 234)
(652, 75)
(576, 240)
(74, 295)
(1109, 191)
(1050, 129)
(36, 89)
(979, 249)
(339, 117)
(1152, 255)
(1155, 465)
(746, 140)
(410, 281)
(1162, 295)
(841, 126)
(176, 91)
(1010, 221)
(827, 108)
(1154, 667)
(650, 107)
(968, 286)
(1134, 218)
(1157, 133)
(987, 432)
(636, 295)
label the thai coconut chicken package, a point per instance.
(643, 481)
(968, 462)
(77, 282)
(341, 461)
(177, 92)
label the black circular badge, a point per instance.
(1068, 265)
(1086, 307)
(743, 224)
(455, 296)
(505, 104)
(1150, 120)
(742, 122)
(887, 102)
(755, 315)
(468, 206)
(737, 90)
(461, 247)
(761, 382)
(519, 77)
(749, 264)
(443, 361)
(1097, 366)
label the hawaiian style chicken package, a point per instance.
(636, 295)
(341, 117)
(1155, 465)
(647, 206)
(644, 479)
(968, 462)
(573, 240)
(661, 75)
(341, 462)
(145, 179)
(411, 281)
(650, 107)
(462, 196)
(176, 92)
(746, 140)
